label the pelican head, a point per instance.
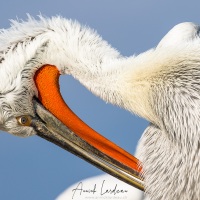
(33, 54)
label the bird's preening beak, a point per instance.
(57, 123)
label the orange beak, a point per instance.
(71, 133)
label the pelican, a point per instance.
(160, 85)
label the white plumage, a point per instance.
(161, 85)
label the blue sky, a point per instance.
(33, 168)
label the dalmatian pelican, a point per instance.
(161, 85)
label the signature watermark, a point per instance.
(100, 191)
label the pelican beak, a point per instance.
(57, 123)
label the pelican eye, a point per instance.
(24, 120)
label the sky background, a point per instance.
(32, 168)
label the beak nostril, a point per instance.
(24, 120)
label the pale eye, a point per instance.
(24, 120)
